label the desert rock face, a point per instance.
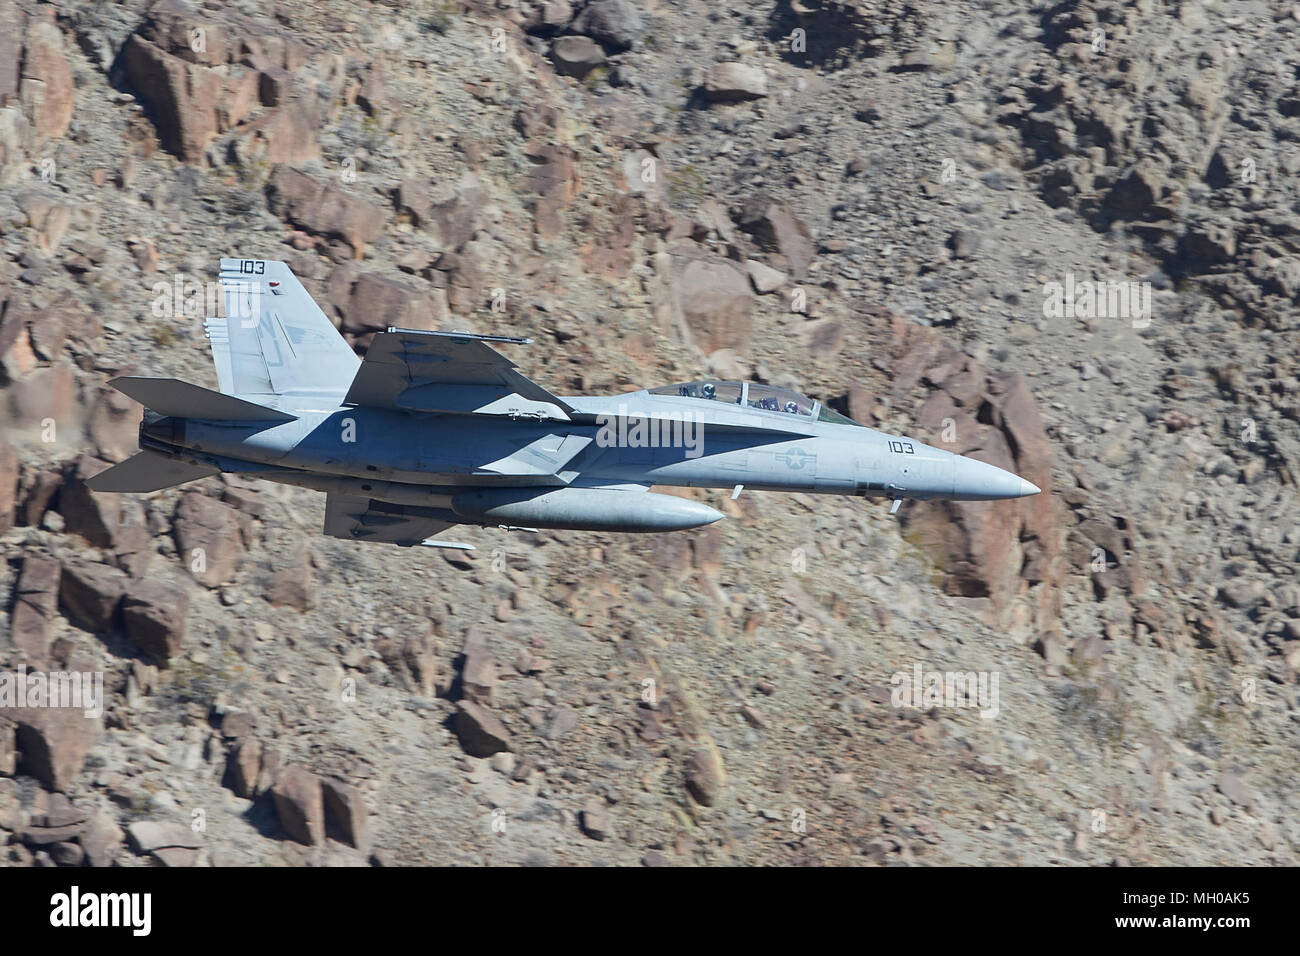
(878, 203)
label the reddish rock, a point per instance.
(8, 759)
(456, 220)
(8, 484)
(36, 605)
(555, 182)
(191, 100)
(154, 618)
(466, 283)
(323, 208)
(776, 228)
(182, 97)
(208, 537)
(715, 302)
(47, 393)
(89, 595)
(101, 839)
(418, 655)
(995, 550)
(114, 425)
(243, 764)
(169, 24)
(299, 802)
(345, 812)
(51, 217)
(170, 844)
(54, 742)
(133, 549)
(291, 587)
(612, 254)
(11, 49)
(412, 197)
(245, 500)
(287, 134)
(375, 302)
(704, 776)
(36, 491)
(95, 517)
(576, 55)
(47, 92)
(479, 672)
(480, 733)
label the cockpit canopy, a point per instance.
(767, 398)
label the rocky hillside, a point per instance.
(875, 202)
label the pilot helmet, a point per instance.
(709, 390)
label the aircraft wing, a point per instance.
(364, 519)
(448, 372)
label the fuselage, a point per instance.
(634, 439)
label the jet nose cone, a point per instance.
(975, 480)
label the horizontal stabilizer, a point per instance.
(171, 396)
(148, 471)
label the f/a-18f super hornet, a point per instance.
(435, 429)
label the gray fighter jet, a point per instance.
(435, 429)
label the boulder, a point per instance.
(417, 653)
(291, 587)
(36, 491)
(705, 777)
(376, 302)
(114, 425)
(133, 550)
(999, 551)
(45, 393)
(765, 279)
(154, 616)
(595, 818)
(345, 812)
(457, 219)
(777, 229)
(243, 764)
(54, 742)
(715, 302)
(576, 56)
(479, 731)
(288, 134)
(95, 517)
(548, 16)
(36, 603)
(413, 198)
(8, 761)
(189, 103)
(208, 537)
(8, 484)
(47, 93)
(618, 24)
(101, 839)
(555, 182)
(732, 82)
(479, 673)
(89, 595)
(324, 209)
(299, 802)
(170, 844)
